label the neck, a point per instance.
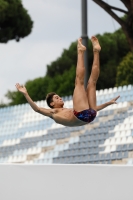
(58, 107)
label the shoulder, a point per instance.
(46, 112)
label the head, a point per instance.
(54, 101)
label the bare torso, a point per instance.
(66, 117)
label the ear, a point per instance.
(52, 104)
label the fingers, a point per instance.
(17, 85)
(117, 97)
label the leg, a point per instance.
(91, 87)
(80, 100)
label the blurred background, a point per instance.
(49, 28)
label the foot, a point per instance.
(95, 43)
(80, 46)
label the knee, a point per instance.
(92, 82)
(79, 80)
(75, 81)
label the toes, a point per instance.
(80, 40)
(94, 39)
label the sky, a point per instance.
(57, 23)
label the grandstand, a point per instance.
(30, 138)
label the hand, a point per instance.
(113, 101)
(21, 89)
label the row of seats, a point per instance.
(24, 133)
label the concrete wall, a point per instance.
(66, 182)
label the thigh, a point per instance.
(91, 94)
(80, 100)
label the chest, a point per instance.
(64, 112)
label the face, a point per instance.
(57, 101)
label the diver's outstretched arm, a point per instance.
(113, 101)
(44, 111)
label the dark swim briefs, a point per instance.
(86, 115)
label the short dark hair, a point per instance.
(49, 98)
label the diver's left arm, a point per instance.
(102, 106)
